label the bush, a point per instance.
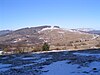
(45, 47)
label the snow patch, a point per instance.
(85, 29)
(42, 60)
(51, 51)
(4, 67)
(28, 58)
(87, 54)
(63, 68)
(59, 68)
(18, 67)
(71, 30)
(95, 36)
(61, 32)
(49, 28)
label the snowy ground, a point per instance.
(63, 68)
(52, 63)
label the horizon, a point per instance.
(46, 25)
(70, 14)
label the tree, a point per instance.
(45, 47)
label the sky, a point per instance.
(16, 14)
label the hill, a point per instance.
(31, 39)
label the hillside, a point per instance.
(88, 30)
(4, 32)
(56, 37)
(95, 32)
(23, 36)
(69, 39)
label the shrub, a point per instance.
(45, 47)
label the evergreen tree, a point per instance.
(45, 47)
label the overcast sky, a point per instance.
(15, 14)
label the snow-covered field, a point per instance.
(52, 63)
(63, 68)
